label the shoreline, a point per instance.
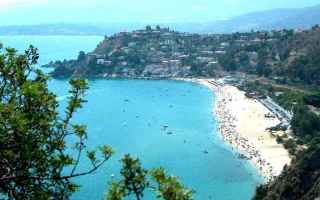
(242, 124)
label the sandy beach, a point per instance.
(243, 124)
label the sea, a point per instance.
(164, 123)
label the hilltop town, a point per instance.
(162, 53)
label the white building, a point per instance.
(101, 61)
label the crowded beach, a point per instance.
(242, 123)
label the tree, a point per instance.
(134, 177)
(169, 187)
(262, 66)
(81, 56)
(34, 163)
(148, 28)
(228, 63)
(135, 180)
(305, 122)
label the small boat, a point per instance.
(165, 127)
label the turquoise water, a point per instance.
(53, 47)
(129, 115)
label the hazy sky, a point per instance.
(97, 11)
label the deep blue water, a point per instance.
(129, 115)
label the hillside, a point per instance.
(302, 18)
(287, 55)
(300, 181)
(157, 53)
(284, 55)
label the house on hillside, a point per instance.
(219, 52)
(104, 62)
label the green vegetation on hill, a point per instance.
(145, 53)
(300, 180)
(305, 124)
(289, 55)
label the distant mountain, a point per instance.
(302, 18)
(67, 29)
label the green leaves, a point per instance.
(80, 130)
(106, 151)
(33, 137)
(66, 160)
(116, 192)
(305, 122)
(135, 180)
(92, 157)
(77, 92)
(78, 84)
(134, 176)
(169, 187)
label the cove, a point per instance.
(130, 115)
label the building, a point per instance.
(220, 52)
(225, 44)
(101, 61)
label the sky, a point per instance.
(20, 12)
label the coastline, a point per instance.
(242, 124)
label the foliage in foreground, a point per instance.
(33, 135)
(34, 161)
(135, 180)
